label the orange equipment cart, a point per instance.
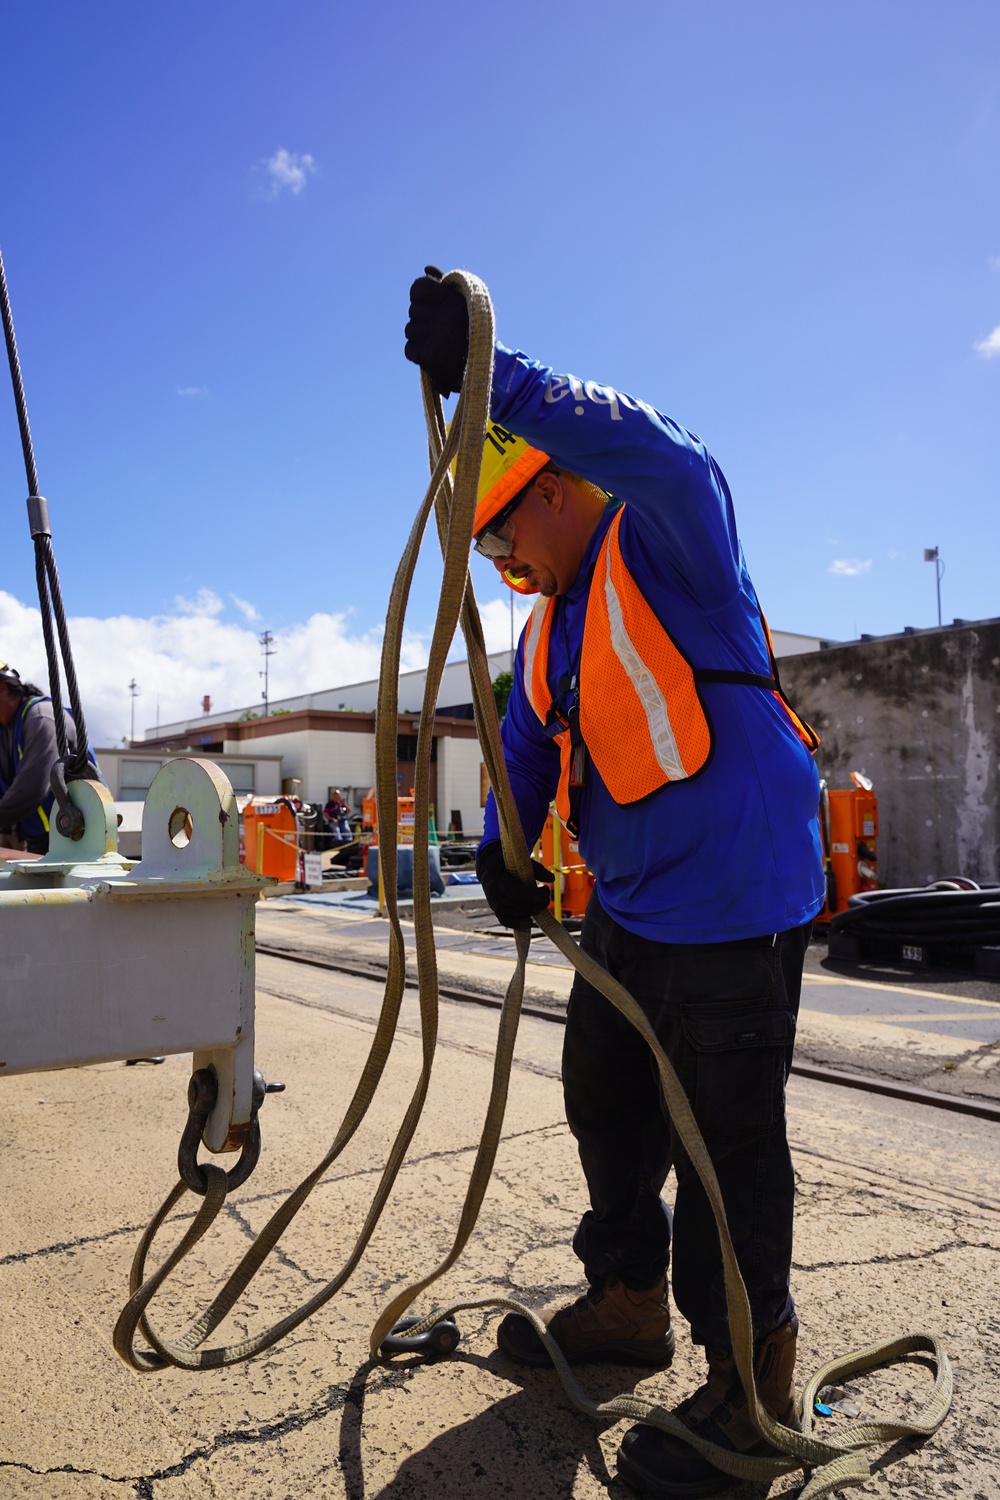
(561, 855)
(848, 823)
(271, 837)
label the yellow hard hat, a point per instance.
(509, 463)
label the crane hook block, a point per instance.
(443, 1338)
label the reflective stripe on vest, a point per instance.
(641, 716)
(640, 713)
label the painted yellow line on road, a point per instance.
(903, 989)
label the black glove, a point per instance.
(437, 335)
(513, 902)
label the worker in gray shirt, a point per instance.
(28, 751)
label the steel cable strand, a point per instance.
(77, 767)
(46, 572)
(52, 660)
(133, 1316)
(13, 359)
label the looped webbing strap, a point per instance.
(836, 1463)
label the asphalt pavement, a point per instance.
(898, 1227)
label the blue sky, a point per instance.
(779, 223)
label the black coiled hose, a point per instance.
(956, 914)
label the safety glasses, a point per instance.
(491, 542)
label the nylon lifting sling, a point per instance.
(831, 1464)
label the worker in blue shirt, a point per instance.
(646, 703)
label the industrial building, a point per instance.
(327, 739)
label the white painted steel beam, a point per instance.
(105, 960)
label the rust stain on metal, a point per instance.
(236, 1139)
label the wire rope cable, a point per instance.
(50, 600)
(832, 1464)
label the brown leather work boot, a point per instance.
(610, 1323)
(665, 1468)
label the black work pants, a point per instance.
(725, 1014)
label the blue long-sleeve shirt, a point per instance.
(735, 851)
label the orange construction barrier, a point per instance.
(369, 819)
(849, 825)
(561, 855)
(271, 837)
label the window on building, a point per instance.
(406, 748)
(242, 776)
(135, 779)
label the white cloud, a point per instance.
(179, 656)
(205, 602)
(895, 555)
(849, 567)
(995, 262)
(192, 391)
(247, 610)
(286, 169)
(989, 347)
(495, 615)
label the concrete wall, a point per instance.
(920, 715)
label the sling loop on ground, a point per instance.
(834, 1463)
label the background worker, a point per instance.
(28, 751)
(645, 700)
(338, 817)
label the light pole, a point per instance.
(268, 647)
(933, 554)
(133, 689)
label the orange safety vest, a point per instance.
(640, 717)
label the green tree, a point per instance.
(501, 691)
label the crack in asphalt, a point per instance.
(70, 1246)
(892, 1260)
(62, 1247)
(280, 1255)
(334, 1400)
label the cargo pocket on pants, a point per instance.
(740, 1066)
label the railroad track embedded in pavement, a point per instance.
(956, 1103)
